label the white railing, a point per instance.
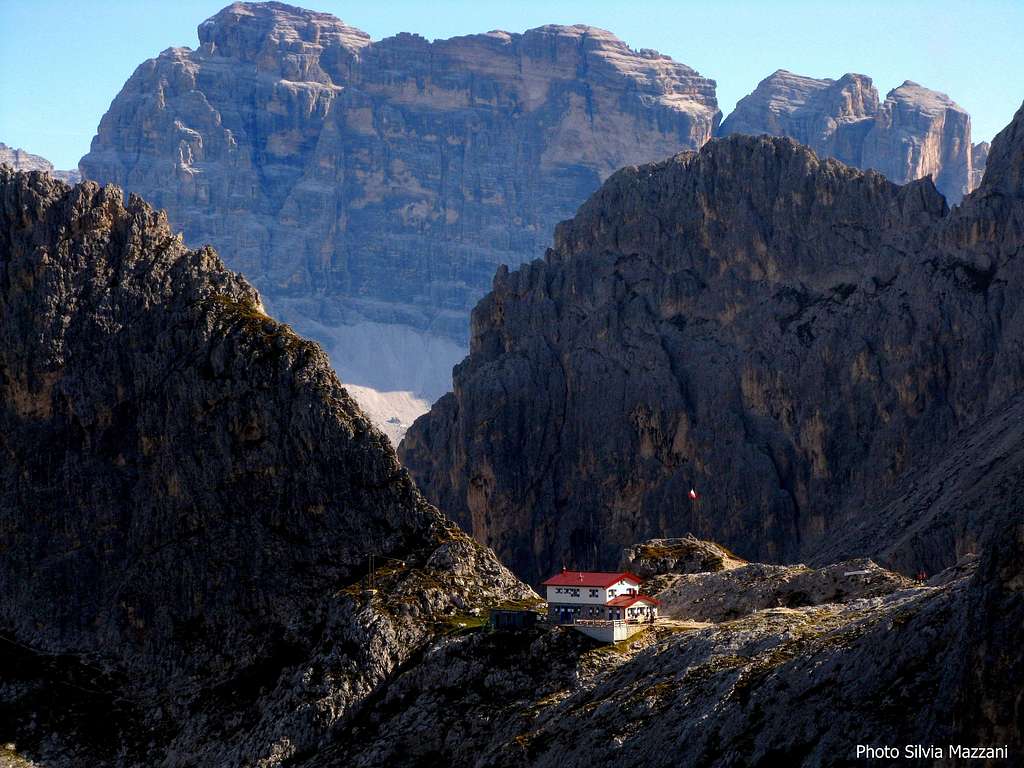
(610, 622)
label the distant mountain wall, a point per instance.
(370, 189)
(20, 160)
(915, 132)
(359, 182)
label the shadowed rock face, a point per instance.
(915, 132)
(783, 333)
(187, 499)
(187, 493)
(382, 182)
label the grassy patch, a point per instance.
(524, 604)
(279, 337)
(461, 623)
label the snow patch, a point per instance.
(393, 371)
(391, 412)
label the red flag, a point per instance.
(693, 494)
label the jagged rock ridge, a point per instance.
(736, 592)
(781, 332)
(686, 554)
(915, 132)
(187, 499)
(702, 581)
(979, 158)
(376, 186)
(20, 160)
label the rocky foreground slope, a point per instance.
(187, 500)
(785, 665)
(915, 132)
(782, 333)
(792, 666)
(371, 188)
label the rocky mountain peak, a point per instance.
(915, 132)
(256, 32)
(922, 98)
(784, 95)
(1004, 169)
(677, 336)
(20, 160)
(195, 475)
(979, 158)
(374, 187)
(921, 132)
(594, 36)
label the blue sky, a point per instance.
(62, 61)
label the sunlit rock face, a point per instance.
(20, 160)
(919, 132)
(979, 159)
(355, 181)
(915, 132)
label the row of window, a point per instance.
(591, 611)
(587, 611)
(574, 591)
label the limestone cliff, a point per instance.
(20, 160)
(979, 158)
(919, 132)
(829, 116)
(782, 333)
(915, 132)
(188, 498)
(376, 185)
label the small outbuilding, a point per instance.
(511, 619)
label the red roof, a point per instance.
(627, 600)
(589, 579)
